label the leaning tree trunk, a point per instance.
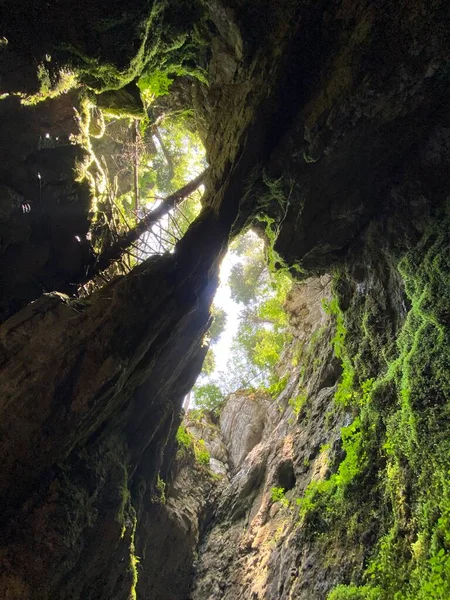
(116, 250)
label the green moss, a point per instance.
(412, 433)
(273, 204)
(351, 592)
(189, 445)
(297, 403)
(202, 455)
(345, 394)
(184, 439)
(278, 385)
(134, 561)
(51, 84)
(161, 487)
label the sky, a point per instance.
(223, 300)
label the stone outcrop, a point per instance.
(242, 422)
(100, 409)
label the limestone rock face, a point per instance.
(250, 551)
(304, 305)
(242, 422)
(87, 445)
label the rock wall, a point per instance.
(252, 549)
(330, 120)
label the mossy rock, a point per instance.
(121, 103)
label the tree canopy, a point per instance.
(262, 329)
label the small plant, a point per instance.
(298, 403)
(160, 495)
(184, 438)
(202, 455)
(187, 443)
(277, 494)
(277, 386)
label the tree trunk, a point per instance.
(116, 250)
(166, 153)
(136, 166)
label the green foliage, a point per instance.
(332, 492)
(156, 83)
(179, 157)
(345, 394)
(208, 397)
(245, 277)
(263, 324)
(185, 439)
(274, 203)
(161, 490)
(51, 84)
(134, 560)
(262, 332)
(397, 449)
(153, 84)
(197, 415)
(297, 403)
(187, 444)
(202, 455)
(164, 41)
(219, 323)
(278, 385)
(277, 494)
(209, 364)
(351, 592)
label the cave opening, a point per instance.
(242, 204)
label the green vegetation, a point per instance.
(161, 487)
(208, 397)
(139, 54)
(277, 385)
(202, 455)
(346, 393)
(134, 560)
(277, 494)
(396, 449)
(187, 444)
(262, 331)
(209, 363)
(297, 403)
(184, 439)
(51, 84)
(163, 41)
(351, 592)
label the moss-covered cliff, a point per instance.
(327, 125)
